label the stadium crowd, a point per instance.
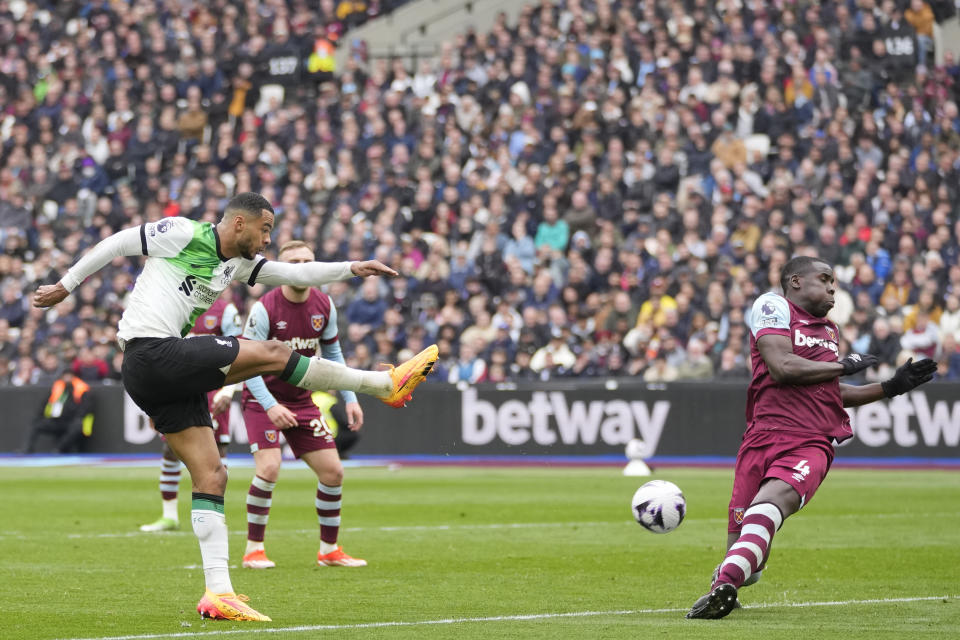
(601, 189)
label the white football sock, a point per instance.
(326, 547)
(170, 509)
(322, 375)
(211, 530)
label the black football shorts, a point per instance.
(169, 377)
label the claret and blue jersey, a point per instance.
(803, 408)
(309, 328)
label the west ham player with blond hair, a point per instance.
(305, 319)
(188, 265)
(795, 414)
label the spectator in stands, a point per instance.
(520, 367)
(552, 232)
(949, 319)
(654, 310)
(731, 367)
(24, 372)
(554, 358)
(469, 367)
(926, 303)
(580, 216)
(884, 343)
(8, 344)
(923, 338)
(920, 16)
(628, 148)
(520, 246)
(13, 309)
(949, 367)
(88, 367)
(660, 370)
(696, 365)
(368, 310)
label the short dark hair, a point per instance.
(799, 266)
(250, 203)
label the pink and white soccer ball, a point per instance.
(659, 506)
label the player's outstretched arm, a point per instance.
(788, 368)
(313, 274)
(122, 243)
(908, 377)
(368, 268)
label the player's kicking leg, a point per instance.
(259, 498)
(326, 464)
(197, 448)
(169, 485)
(271, 357)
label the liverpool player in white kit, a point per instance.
(305, 319)
(794, 416)
(188, 265)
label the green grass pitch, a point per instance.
(480, 553)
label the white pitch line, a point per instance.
(473, 527)
(513, 618)
(438, 527)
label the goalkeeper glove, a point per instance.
(909, 375)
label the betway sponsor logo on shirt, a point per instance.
(802, 340)
(908, 421)
(549, 419)
(303, 343)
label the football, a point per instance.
(659, 506)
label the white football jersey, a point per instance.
(183, 275)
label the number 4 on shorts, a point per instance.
(803, 468)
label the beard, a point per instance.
(246, 249)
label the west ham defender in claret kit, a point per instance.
(795, 415)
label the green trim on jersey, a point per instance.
(199, 259)
(188, 327)
(183, 275)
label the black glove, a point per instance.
(909, 375)
(856, 362)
